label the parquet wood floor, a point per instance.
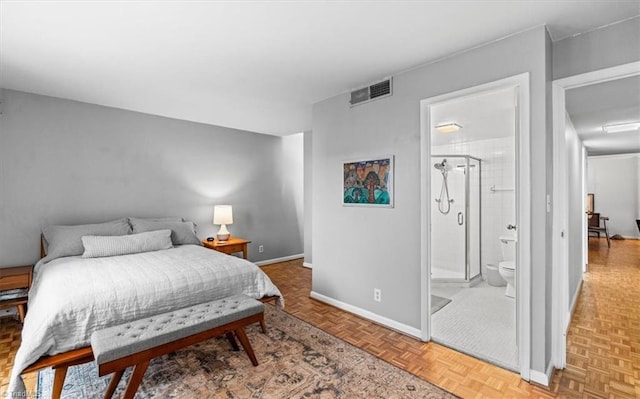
(603, 345)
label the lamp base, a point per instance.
(223, 237)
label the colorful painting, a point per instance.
(368, 182)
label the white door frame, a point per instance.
(523, 216)
(560, 312)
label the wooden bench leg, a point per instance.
(263, 326)
(244, 340)
(113, 384)
(136, 378)
(232, 341)
(58, 382)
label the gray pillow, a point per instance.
(67, 240)
(160, 219)
(99, 246)
(181, 232)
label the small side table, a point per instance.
(231, 246)
(16, 278)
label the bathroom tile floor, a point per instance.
(479, 321)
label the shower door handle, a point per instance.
(460, 219)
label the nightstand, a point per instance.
(231, 246)
(14, 279)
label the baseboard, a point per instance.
(572, 308)
(540, 378)
(277, 260)
(394, 325)
(307, 265)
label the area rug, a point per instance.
(297, 360)
(438, 302)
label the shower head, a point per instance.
(441, 166)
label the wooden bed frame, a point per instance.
(62, 361)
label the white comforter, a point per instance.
(71, 297)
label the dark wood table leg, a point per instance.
(21, 312)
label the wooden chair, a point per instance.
(594, 226)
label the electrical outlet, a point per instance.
(377, 294)
(261, 248)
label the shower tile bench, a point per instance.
(138, 342)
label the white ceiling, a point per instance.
(614, 102)
(253, 65)
(483, 116)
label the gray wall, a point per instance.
(308, 199)
(293, 188)
(357, 249)
(614, 182)
(66, 162)
(602, 48)
(575, 191)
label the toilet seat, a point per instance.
(508, 264)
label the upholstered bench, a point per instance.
(138, 342)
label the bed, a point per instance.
(72, 296)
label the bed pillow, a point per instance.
(100, 246)
(67, 240)
(181, 232)
(160, 219)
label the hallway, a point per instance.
(603, 344)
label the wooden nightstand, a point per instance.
(12, 278)
(231, 246)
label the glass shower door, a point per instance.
(448, 218)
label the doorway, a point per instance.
(570, 239)
(460, 178)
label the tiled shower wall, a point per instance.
(498, 198)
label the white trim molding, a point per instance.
(277, 260)
(403, 328)
(574, 302)
(543, 379)
(307, 265)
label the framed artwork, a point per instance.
(368, 182)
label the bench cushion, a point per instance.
(119, 341)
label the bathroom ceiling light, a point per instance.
(448, 127)
(621, 127)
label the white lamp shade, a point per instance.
(222, 214)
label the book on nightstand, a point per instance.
(13, 294)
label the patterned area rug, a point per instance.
(297, 360)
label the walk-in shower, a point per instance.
(455, 219)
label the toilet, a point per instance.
(507, 267)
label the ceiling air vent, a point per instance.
(366, 94)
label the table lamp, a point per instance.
(223, 215)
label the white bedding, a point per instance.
(71, 297)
